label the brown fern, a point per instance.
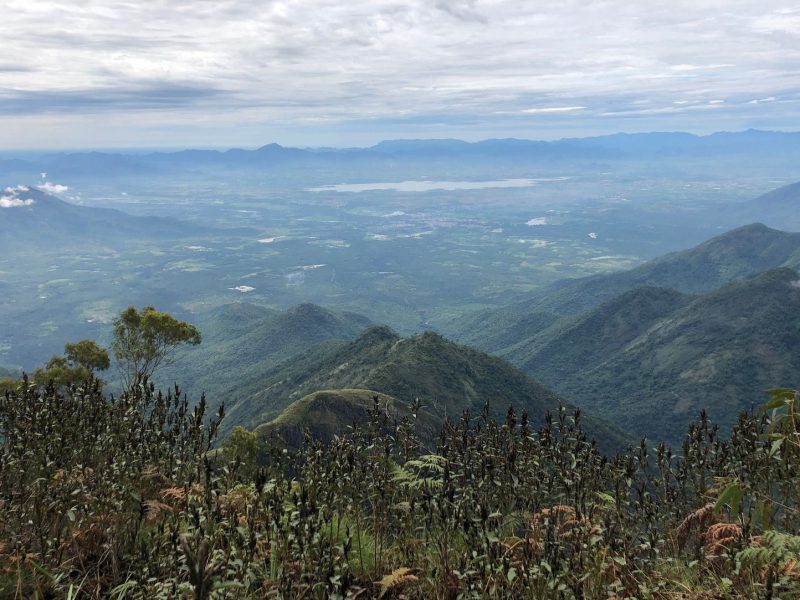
(696, 520)
(719, 536)
(396, 579)
(155, 510)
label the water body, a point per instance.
(427, 186)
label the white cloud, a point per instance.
(537, 221)
(552, 109)
(14, 202)
(779, 21)
(11, 197)
(53, 188)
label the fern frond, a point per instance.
(396, 579)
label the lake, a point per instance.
(423, 185)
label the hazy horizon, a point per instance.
(33, 152)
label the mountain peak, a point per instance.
(273, 147)
(309, 310)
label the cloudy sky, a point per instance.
(220, 73)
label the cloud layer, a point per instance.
(228, 71)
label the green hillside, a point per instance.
(239, 339)
(329, 413)
(718, 353)
(7, 372)
(580, 343)
(446, 377)
(735, 254)
(518, 330)
(494, 330)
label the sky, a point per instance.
(225, 73)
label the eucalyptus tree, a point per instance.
(146, 339)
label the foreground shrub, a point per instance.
(126, 498)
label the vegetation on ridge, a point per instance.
(121, 498)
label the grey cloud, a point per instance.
(240, 64)
(109, 99)
(463, 10)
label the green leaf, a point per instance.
(779, 397)
(607, 499)
(776, 446)
(732, 496)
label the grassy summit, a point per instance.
(446, 377)
(329, 413)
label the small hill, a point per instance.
(9, 372)
(447, 377)
(241, 338)
(330, 413)
(719, 353)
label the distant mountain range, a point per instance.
(707, 328)
(639, 146)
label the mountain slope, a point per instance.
(496, 330)
(241, 338)
(445, 376)
(718, 353)
(581, 343)
(778, 208)
(329, 413)
(733, 255)
(30, 215)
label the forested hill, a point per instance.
(718, 352)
